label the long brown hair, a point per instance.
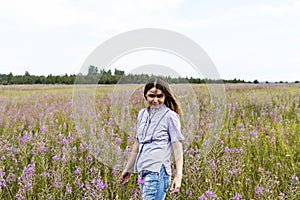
(161, 84)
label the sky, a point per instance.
(245, 39)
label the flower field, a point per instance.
(45, 153)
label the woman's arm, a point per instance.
(178, 154)
(127, 171)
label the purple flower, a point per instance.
(77, 170)
(294, 178)
(253, 133)
(97, 182)
(42, 149)
(2, 183)
(210, 194)
(55, 158)
(69, 189)
(259, 190)
(268, 190)
(238, 196)
(141, 181)
(213, 165)
(45, 174)
(189, 192)
(43, 129)
(74, 149)
(118, 140)
(278, 164)
(202, 197)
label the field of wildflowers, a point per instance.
(44, 154)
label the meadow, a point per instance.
(46, 153)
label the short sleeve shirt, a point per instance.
(155, 134)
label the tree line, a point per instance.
(95, 76)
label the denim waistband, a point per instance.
(143, 172)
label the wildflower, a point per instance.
(77, 170)
(43, 129)
(202, 197)
(213, 165)
(260, 169)
(210, 194)
(141, 181)
(278, 164)
(259, 190)
(237, 196)
(294, 178)
(2, 183)
(118, 140)
(74, 149)
(55, 158)
(42, 149)
(253, 133)
(268, 190)
(97, 182)
(189, 192)
(45, 174)
(69, 189)
(76, 182)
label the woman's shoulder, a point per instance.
(172, 114)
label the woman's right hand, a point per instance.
(125, 176)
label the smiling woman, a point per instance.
(158, 133)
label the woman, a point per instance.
(158, 132)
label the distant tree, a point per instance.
(92, 70)
(27, 73)
(296, 81)
(255, 81)
(119, 72)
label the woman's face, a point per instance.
(155, 98)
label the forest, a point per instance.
(95, 76)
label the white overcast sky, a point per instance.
(245, 39)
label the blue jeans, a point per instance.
(156, 184)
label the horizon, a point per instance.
(238, 79)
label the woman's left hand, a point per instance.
(175, 186)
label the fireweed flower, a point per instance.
(294, 178)
(237, 197)
(68, 189)
(77, 170)
(55, 158)
(98, 184)
(189, 192)
(210, 194)
(202, 197)
(278, 164)
(141, 181)
(259, 190)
